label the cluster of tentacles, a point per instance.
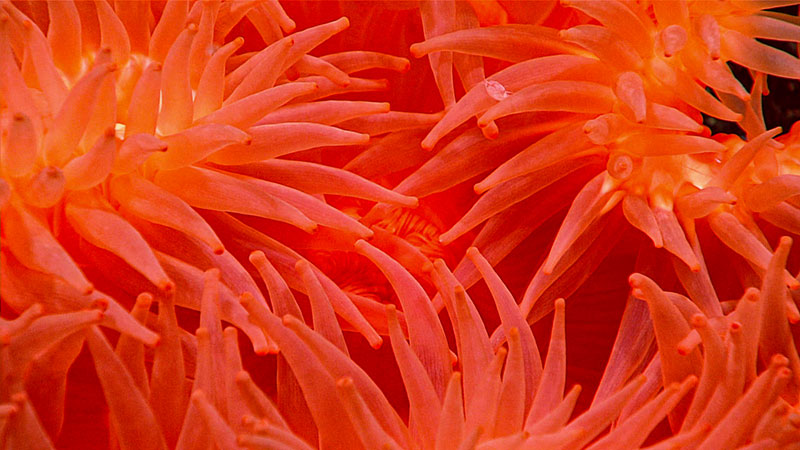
(172, 173)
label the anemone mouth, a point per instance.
(410, 235)
(420, 227)
(354, 274)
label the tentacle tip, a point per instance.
(415, 50)
(301, 264)
(361, 246)
(249, 421)
(155, 342)
(376, 342)
(256, 255)
(198, 395)
(98, 316)
(87, 289)
(218, 250)
(473, 253)
(490, 133)
(775, 131)
(166, 286)
(779, 360)
(344, 382)
(202, 332)
(447, 238)
(261, 349)
(241, 376)
(100, 304)
(699, 320)
(246, 299)
(362, 139)
(19, 398)
(549, 266)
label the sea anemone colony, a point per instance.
(222, 228)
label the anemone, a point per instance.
(212, 223)
(616, 91)
(133, 139)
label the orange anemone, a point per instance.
(223, 227)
